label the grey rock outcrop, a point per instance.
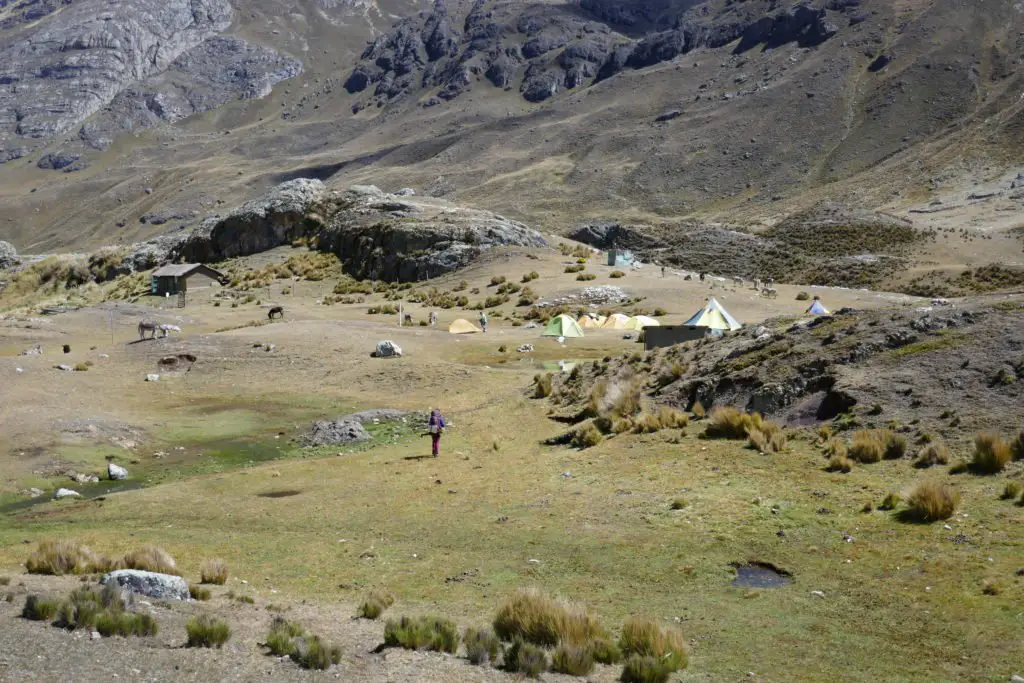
(116, 472)
(407, 239)
(150, 584)
(336, 432)
(610, 235)
(285, 213)
(8, 255)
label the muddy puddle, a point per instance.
(760, 575)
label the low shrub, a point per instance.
(644, 670)
(538, 618)
(1011, 490)
(422, 633)
(310, 652)
(658, 312)
(497, 280)
(616, 274)
(525, 658)
(678, 504)
(577, 268)
(931, 501)
(586, 436)
(839, 463)
(890, 501)
(38, 609)
(81, 367)
(991, 587)
(125, 624)
(207, 631)
(757, 440)
(645, 638)
(895, 445)
(867, 446)
(198, 592)
(282, 635)
(530, 277)
(802, 296)
(991, 454)
(151, 559)
(67, 557)
(542, 385)
(728, 422)
(698, 410)
(824, 433)
(214, 571)
(935, 453)
(572, 660)
(605, 651)
(585, 277)
(481, 646)
(1017, 446)
(672, 418)
(375, 604)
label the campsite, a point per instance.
(649, 522)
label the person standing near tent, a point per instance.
(483, 320)
(435, 425)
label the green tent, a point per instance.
(562, 326)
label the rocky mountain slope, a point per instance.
(660, 112)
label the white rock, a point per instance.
(116, 472)
(150, 584)
(64, 368)
(1016, 679)
(818, 594)
(65, 493)
(152, 378)
(533, 561)
(95, 635)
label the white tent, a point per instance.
(714, 317)
(616, 321)
(818, 308)
(639, 322)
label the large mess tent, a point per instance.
(463, 326)
(616, 321)
(818, 308)
(713, 317)
(562, 326)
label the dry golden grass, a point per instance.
(934, 453)
(214, 571)
(867, 446)
(839, 463)
(646, 638)
(699, 411)
(991, 454)
(151, 559)
(729, 422)
(1017, 446)
(572, 660)
(538, 618)
(931, 501)
(67, 557)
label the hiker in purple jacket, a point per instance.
(436, 427)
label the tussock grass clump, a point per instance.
(890, 501)
(585, 277)
(375, 604)
(207, 631)
(310, 652)
(198, 592)
(81, 367)
(645, 638)
(931, 501)
(536, 617)
(38, 609)
(1011, 490)
(644, 670)
(151, 559)
(728, 422)
(867, 446)
(125, 624)
(67, 557)
(678, 504)
(481, 646)
(576, 268)
(836, 448)
(699, 411)
(616, 274)
(824, 433)
(572, 660)
(531, 276)
(422, 633)
(672, 418)
(5, 581)
(1017, 446)
(282, 635)
(991, 587)
(895, 445)
(586, 436)
(526, 659)
(542, 385)
(839, 463)
(497, 280)
(935, 453)
(605, 651)
(214, 571)
(991, 454)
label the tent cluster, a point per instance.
(566, 326)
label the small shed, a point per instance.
(620, 257)
(670, 335)
(182, 277)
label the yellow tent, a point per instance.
(463, 326)
(714, 317)
(587, 321)
(639, 322)
(616, 321)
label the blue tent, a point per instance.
(818, 309)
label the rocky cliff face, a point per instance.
(137, 60)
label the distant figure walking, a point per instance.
(435, 425)
(483, 320)
(702, 276)
(663, 271)
(433, 318)
(276, 310)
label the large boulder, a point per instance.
(336, 432)
(8, 255)
(116, 472)
(150, 584)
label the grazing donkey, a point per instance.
(147, 326)
(770, 292)
(276, 310)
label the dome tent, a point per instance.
(818, 308)
(616, 321)
(639, 322)
(713, 317)
(562, 326)
(463, 326)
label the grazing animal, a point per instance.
(408, 318)
(147, 326)
(433, 318)
(770, 292)
(738, 281)
(768, 282)
(276, 310)
(702, 276)
(167, 329)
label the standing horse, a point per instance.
(147, 326)
(276, 310)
